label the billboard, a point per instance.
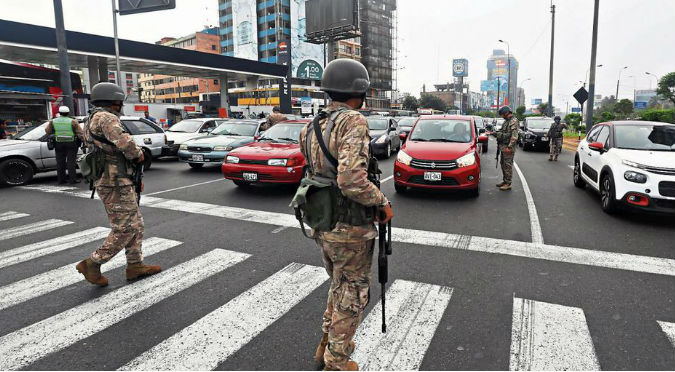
(141, 6)
(331, 19)
(536, 101)
(488, 85)
(306, 58)
(499, 72)
(460, 67)
(245, 29)
(642, 97)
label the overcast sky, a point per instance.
(637, 34)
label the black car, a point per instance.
(534, 133)
(385, 136)
(405, 125)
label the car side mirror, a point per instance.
(482, 139)
(597, 146)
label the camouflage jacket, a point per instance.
(104, 123)
(350, 145)
(556, 130)
(507, 136)
(274, 118)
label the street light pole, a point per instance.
(117, 45)
(591, 83)
(508, 75)
(64, 66)
(655, 78)
(617, 83)
(521, 86)
(550, 73)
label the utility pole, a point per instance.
(591, 82)
(117, 45)
(550, 73)
(617, 83)
(64, 66)
(498, 92)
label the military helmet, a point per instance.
(345, 76)
(556, 118)
(504, 110)
(106, 93)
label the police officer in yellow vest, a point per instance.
(67, 135)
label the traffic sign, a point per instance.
(581, 95)
(576, 109)
(640, 105)
(142, 6)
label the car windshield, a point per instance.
(236, 129)
(442, 131)
(539, 124)
(188, 126)
(645, 137)
(406, 122)
(32, 133)
(377, 124)
(283, 133)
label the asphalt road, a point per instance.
(243, 289)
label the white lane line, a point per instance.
(24, 346)
(414, 311)
(550, 337)
(387, 179)
(556, 253)
(571, 167)
(11, 215)
(212, 339)
(535, 227)
(32, 228)
(31, 251)
(669, 329)
(279, 229)
(184, 187)
(64, 276)
(50, 188)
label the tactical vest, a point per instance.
(63, 129)
(101, 158)
(557, 131)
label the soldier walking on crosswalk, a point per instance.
(507, 138)
(555, 136)
(347, 249)
(115, 187)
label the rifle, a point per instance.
(382, 264)
(497, 157)
(138, 181)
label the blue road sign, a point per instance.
(639, 105)
(576, 109)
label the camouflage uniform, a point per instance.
(507, 137)
(555, 136)
(116, 190)
(347, 250)
(274, 118)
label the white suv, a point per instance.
(631, 163)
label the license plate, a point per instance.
(544, 138)
(251, 177)
(432, 176)
(197, 157)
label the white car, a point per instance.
(186, 130)
(631, 163)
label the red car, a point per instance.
(442, 152)
(274, 158)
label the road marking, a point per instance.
(414, 311)
(387, 179)
(550, 337)
(669, 329)
(64, 276)
(11, 215)
(279, 229)
(32, 228)
(184, 187)
(212, 339)
(556, 253)
(535, 227)
(571, 167)
(31, 251)
(24, 346)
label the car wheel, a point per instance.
(241, 183)
(15, 172)
(525, 147)
(400, 188)
(607, 194)
(485, 147)
(148, 159)
(475, 192)
(387, 154)
(578, 180)
(196, 165)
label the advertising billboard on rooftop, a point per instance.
(245, 29)
(306, 58)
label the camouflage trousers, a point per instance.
(555, 146)
(507, 164)
(349, 268)
(126, 222)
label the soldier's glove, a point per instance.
(141, 158)
(384, 213)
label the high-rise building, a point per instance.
(378, 40)
(498, 69)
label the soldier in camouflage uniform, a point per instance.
(507, 138)
(274, 118)
(347, 250)
(115, 188)
(555, 136)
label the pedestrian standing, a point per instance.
(147, 116)
(274, 118)
(3, 126)
(68, 138)
(555, 136)
(347, 249)
(115, 188)
(507, 138)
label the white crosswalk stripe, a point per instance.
(6, 216)
(548, 337)
(669, 329)
(32, 228)
(216, 336)
(64, 276)
(23, 347)
(31, 251)
(413, 312)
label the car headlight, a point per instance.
(183, 147)
(229, 148)
(631, 164)
(466, 160)
(403, 158)
(277, 162)
(382, 139)
(232, 159)
(635, 177)
(220, 148)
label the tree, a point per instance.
(520, 113)
(543, 108)
(573, 119)
(625, 106)
(606, 105)
(410, 103)
(433, 102)
(666, 87)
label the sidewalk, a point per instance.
(570, 143)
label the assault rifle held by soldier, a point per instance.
(138, 181)
(384, 230)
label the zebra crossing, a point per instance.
(544, 336)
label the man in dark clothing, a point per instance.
(68, 136)
(3, 126)
(147, 116)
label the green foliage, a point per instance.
(666, 87)
(410, 103)
(433, 102)
(664, 116)
(625, 106)
(606, 105)
(607, 116)
(520, 113)
(486, 114)
(543, 108)
(573, 120)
